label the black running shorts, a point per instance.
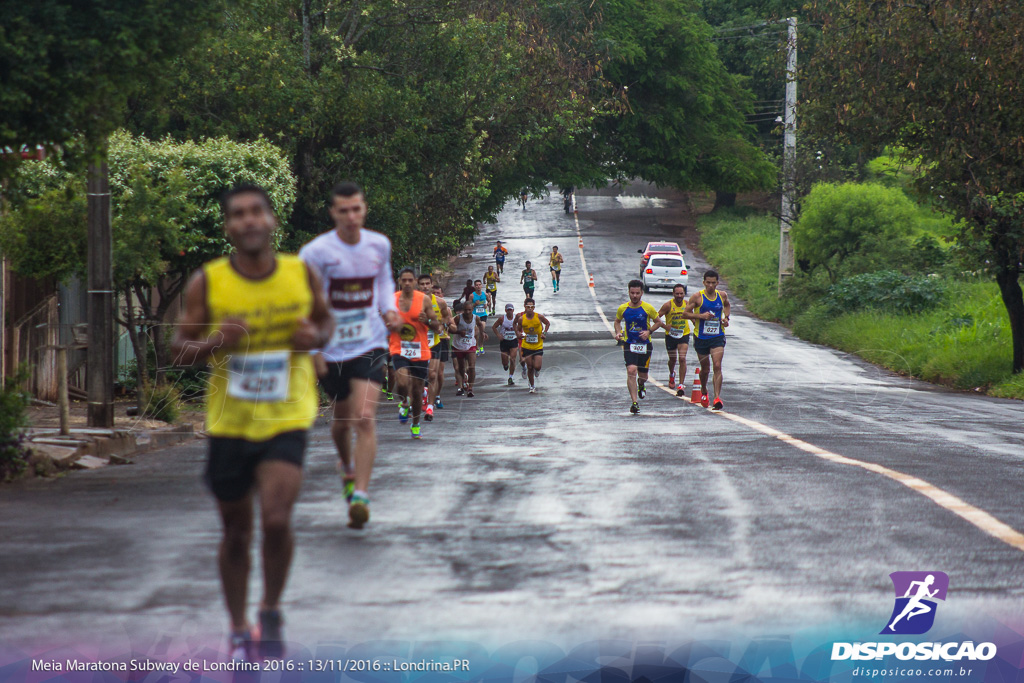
(418, 369)
(231, 464)
(337, 383)
(671, 342)
(703, 346)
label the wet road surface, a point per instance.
(559, 515)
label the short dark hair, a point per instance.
(529, 300)
(478, 282)
(406, 270)
(346, 188)
(635, 283)
(529, 262)
(711, 273)
(244, 188)
(678, 284)
(425, 276)
(469, 281)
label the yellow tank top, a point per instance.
(261, 389)
(676, 320)
(554, 260)
(443, 334)
(532, 330)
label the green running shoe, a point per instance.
(403, 413)
(415, 429)
(348, 487)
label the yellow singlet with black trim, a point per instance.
(532, 330)
(262, 388)
(675, 318)
(443, 334)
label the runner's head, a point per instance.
(469, 283)
(490, 269)
(554, 250)
(467, 310)
(710, 281)
(478, 285)
(426, 283)
(407, 280)
(679, 294)
(249, 220)
(438, 292)
(530, 305)
(348, 206)
(636, 291)
(528, 265)
(510, 310)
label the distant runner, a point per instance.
(410, 347)
(677, 335)
(640, 319)
(255, 314)
(440, 344)
(479, 302)
(500, 253)
(528, 280)
(491, 280)
(504, 329)
(556, 262)
(465, 328)
(532, 327)
(711, 310)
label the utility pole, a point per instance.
(786, 258)
(100, 352)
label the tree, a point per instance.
(166, 221)
(940, 80)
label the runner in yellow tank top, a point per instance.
(441, 346)
(532, 327)
(256, 315)
(677, 335)
(555, 264)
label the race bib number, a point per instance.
(481, 309)
(350, 327)
(492, 288)
(532, 338)
(638, 348)
(677, 332)
(431, 338)
(712, 327)
(259, 377)
(411, 350)
(510, 335)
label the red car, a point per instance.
(658, 248)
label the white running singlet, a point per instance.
(465, 338)
(508, 328)
(359, 289)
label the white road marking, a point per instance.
(976, 516)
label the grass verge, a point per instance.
(964, 343)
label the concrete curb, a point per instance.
(91, 448)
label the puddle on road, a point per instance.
(641, 202)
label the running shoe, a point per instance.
(481, 350)
(524, 371)
(641, 391)
(460, 392)
(680, 391)
(704, 400)
(533, 390)
(428, 413)
(403, 413)
(389, 396)
(415, 429)
(438, 404)
(635, 408)
(241, 645)
(671, 380)
(358, 512)
(271, 641)
(469, 393)
(510, 382)
(348, 487)
(717, 405)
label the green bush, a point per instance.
(14, 402)
(854, 228)
(162, 402)
(887, 291)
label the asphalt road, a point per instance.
(559, 515)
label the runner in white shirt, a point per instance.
(504, 329)
(465, 328)
(355, 266)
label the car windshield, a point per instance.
(663, 247)
(666, 262)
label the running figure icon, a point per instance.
(917, 594)
(914, 606)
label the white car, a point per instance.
(665, 271)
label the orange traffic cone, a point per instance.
(695, 394)
(591, 280)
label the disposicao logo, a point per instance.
(913, 614)
(916, 593)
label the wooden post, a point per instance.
(62, 390)
(100, 378)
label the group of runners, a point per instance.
(703, 316)
(272, 326)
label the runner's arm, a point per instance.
(314, 332)
(494, 327)
(618, 321)
(428, 310)
(725, 309)
(483, 328)
(546, 323)
(384, 293)
(192, 343)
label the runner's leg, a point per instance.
(716, 359)
(631, 381)
(279, 482)
(361, 412)
(705, 366)
(233, 558)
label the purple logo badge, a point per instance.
(916, 593)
